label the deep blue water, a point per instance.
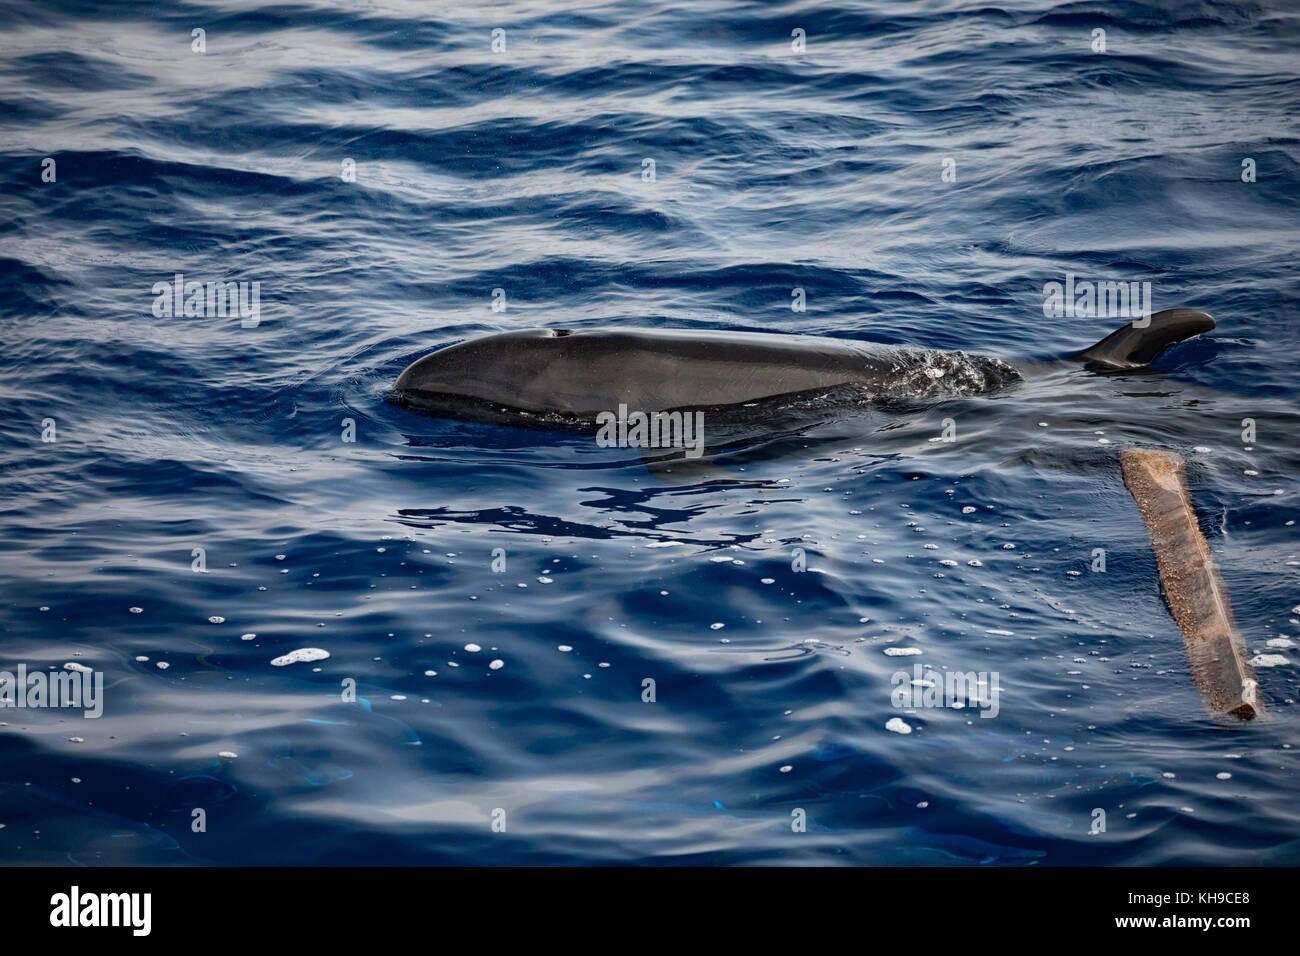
(522, 170)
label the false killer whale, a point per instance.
(562, 376)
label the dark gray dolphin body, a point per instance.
(558, 376)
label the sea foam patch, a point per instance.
(301, 655)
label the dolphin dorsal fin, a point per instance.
(1132, 347)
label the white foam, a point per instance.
(1268, 660)
(301, 655)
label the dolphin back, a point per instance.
(562, 374)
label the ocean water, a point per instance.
(919, 169)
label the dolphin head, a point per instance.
(458, 367)
(478, 378)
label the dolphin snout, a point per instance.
(416, 373)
